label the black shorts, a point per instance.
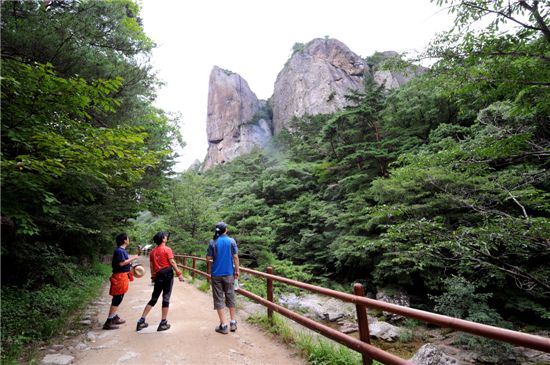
(164, 280)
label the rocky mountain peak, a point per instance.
(315, 80)
(236, 120)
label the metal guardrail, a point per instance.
(362, 345)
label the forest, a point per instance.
(440, 188)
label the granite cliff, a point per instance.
(314, 80)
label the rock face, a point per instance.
(237, 121)
(315, 80)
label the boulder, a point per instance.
(319, 307)
(393, 296)
(384, 331)
(432, 355)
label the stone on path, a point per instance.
(57, 359)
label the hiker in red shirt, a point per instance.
(163, 266)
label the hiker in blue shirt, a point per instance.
(223, 252)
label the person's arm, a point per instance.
(130, 260)
(210, 252)
(236, 272)
(153, 273)
(176, 269)
(235, 253)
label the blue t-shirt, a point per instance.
(120, 255)
(222, 250)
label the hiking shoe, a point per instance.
(141, 325)
(233, 326)
(163, 326)
(118, 320)
(109, 325)
(222, 328)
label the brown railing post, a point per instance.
(194, 267)
(363, 321)
(209, 270)
(184, 262)
(269, 270)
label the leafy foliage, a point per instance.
(440, 187)
(445, 177)
(81, 142)
(82, 147)
(461, 301)
(31, 316)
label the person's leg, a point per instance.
(146, 310)
(166, 293)
(229, 293)
(221, 315)
(219, 303)
(218, 297)
(111, 323)
(112, 310)
(233, 321)
(141, 324)
(230, 301)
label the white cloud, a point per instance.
(255, 38)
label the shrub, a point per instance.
(461, 300)
(36, 315)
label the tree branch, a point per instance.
(536, 14)
(501, 13)
(517, 202)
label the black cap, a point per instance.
(221, 226)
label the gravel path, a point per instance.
(190, 340)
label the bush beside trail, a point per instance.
(31, 317)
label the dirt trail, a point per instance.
(190, 340)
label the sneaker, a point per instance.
(233, 326)
(118, 320)
(109, 325)
(222, 328)
(163, 326)
(141, 325)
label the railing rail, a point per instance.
(362, 303)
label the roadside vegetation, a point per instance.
(440, 188)
(31, 318)
(314, 348)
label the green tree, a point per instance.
(454, 205)
(189, 210)
(81, 142)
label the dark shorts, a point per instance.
(163, 284)
(223, 291)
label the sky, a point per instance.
(254, 39)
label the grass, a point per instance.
(31, 318)
(315, 350)
(203, 285)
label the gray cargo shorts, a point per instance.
(223, 291)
